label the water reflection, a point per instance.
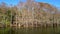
(9, 30)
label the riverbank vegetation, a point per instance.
(29, 14)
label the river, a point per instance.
(13, 30)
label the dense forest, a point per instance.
(29, 13)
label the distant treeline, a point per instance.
(29, 12)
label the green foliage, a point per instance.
(6, 17)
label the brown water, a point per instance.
(49, 30)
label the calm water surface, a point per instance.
(50, 30)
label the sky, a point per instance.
(15, 2)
